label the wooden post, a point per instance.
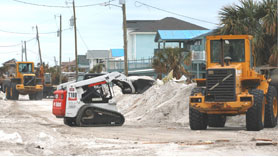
(22, 51)
(75, 37)
(39, 47)
(60, 50)
(125, 40)
(25, 51)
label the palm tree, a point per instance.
(253, 18)
(97, 68)
(269, 22)
(171, 59)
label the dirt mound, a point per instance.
(161, 104)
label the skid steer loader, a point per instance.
(232, 86)
(88, 102)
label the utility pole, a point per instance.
(75, 37)
(55, 62)
(39, 45)
(25, 51)
(60, 56)
(22, 51)
(125, 39)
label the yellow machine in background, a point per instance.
(232, 86)
(23, 81)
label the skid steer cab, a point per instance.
(232, 86)
(88, 102)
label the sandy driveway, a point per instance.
(29, 128)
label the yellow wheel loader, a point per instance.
(24, 82)
(233, 86)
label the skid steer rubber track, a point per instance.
(89, 116)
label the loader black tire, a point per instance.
(69, 121)
(39, 95)
(7, 91)
(197, 120)
(271, 108)
(255, 114)
(14, 93)
(32, 96)
(216, 120)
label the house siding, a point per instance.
(145, 45)
(131, 46)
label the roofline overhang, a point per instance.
(134, 33)
(173, 40)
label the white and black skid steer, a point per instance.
(87, 102)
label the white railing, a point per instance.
(198, 55)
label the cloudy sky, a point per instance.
(99, 27)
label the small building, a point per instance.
(189, 40)
(198, 49)
(117, 54)
(83, 63)
(96, 57)
(177, 38)
(9, 67)
(141, 34)
(68, 66)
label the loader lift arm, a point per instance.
(115, 77)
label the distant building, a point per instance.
(83, 63)
(117, 54)
(10, 67)
(96, 57)
(68, 66)
(10, 62)
(198, 49)
(141, 34)
(191, 40)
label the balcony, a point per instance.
(118, 65)
(198, 55)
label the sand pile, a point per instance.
(161, 104)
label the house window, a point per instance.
(99, 61)
(198, 42)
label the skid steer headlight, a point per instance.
(196, 100)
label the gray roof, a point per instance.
(98, 54)
(168, 23)
(82, 60)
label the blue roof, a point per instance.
(117, 52)
(180, 34)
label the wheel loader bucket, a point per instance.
(141, 85)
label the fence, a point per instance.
(118, 65)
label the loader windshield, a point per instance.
(233, 48)
(25, 67)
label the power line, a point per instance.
(9, 52)
(19, 44)
(82, 40)
(22, 33)
(173, 13)
(1, 30)
(15, 45)
(61, 6)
